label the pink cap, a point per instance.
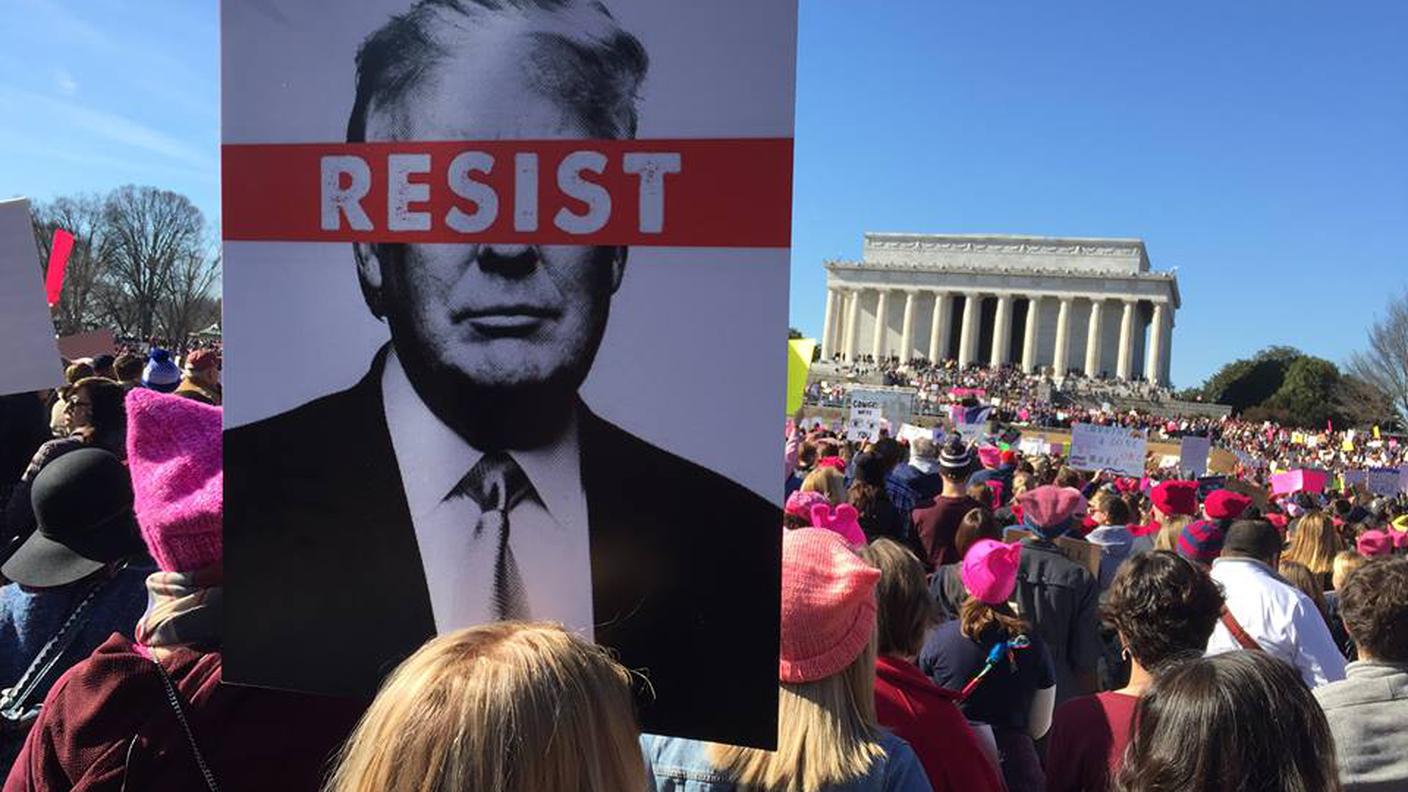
(989, 570)
(828, 605)
(843, 520)
(174, 455)
(990, 456)
(799, 503)
(1374, 543)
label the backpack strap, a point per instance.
(1240, 635)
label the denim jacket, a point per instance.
(679, 765)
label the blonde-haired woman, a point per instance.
(509, 707)
(828, 740)
(829, 482)
(1314, 544)
(1167, 537)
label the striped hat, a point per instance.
(1201, 541)
(956, 458)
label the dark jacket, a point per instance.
(908, 487)
(1059, 598)
(936, 525)
(326, 591)
(108, 725)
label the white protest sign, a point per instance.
(1193, 455)
(896, 404)
(863, 422)
(1032, 446)
(909, 433)
(1115, 448)
(1168, 461)
(27, 342)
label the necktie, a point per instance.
(497, 484)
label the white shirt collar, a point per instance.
(433, 458)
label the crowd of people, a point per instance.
(954, 617)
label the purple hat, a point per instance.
(989, 570)
(1050, 507)
(1201, 541)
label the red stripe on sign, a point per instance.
(675, 193)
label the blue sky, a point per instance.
(1259, 146)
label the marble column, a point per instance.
(1029, 342)
(1062, 361)
(1092, 339)
(1001, 331)
(1126, 358)
(852, 321)
(968, 338)
(1153, 359)
(938, 330)
(877, 348)
(907, 330)
(827, 330)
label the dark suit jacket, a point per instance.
(325, 591)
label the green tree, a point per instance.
(1308, 393)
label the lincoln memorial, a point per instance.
(1055, 304)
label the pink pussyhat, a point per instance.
(990, 456)
(1373, 543)
(828, 605)
(989, 570)
(174, 455)
(843, 520)
(800, 504)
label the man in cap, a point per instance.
(936, 521)
(1266, 613)
(201, 381)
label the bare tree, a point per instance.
(148, 234)
(81, 216)
(1385, 363)
(187, 305)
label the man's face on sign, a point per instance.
(489, 316)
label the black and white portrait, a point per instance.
(427, 435)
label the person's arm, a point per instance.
(1039, 718)
(1317, 657)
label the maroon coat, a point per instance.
(936, 524)
(108, 720)
(925, 716)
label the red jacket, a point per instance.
(925, 716)
(108, 721)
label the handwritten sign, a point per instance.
(1193, 455)
(897, 404)
(1114, 448)
(863, 422)
(1385, 481)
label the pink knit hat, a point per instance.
(174, 455)
(800, 503)
(828, 605)
(843, 520)
(1374, 543)
(989, 570)
(990, 456)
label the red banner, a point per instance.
(58, 261)
(666, 193)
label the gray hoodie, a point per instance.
(1367, 711)
(1116, 544)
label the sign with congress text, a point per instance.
(1118, 449)
(502, 279)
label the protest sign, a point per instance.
(1032, 446)
(799, 362)
(89, 344)
(1193, 455)
(26, 332)
(1086, 554)
(58, 262)
(1299, 480)
(520, 241)
(1384, 481)
(896, 404)
(863, 421)
(909, 433)
(1354, 478)
(1115, 448)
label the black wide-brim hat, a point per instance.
(83, 504)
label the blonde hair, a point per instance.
(1167, 538)
(504, 707)
(1346, 562)
(1314, 543)
(829, 482)
(826, 735)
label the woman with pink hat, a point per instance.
(828, 738)
(1002, 667)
